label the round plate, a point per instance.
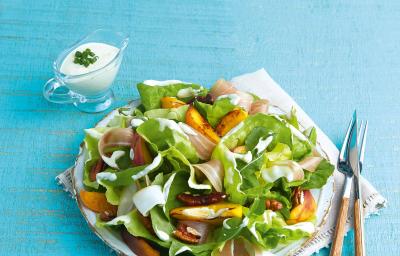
(113, 239)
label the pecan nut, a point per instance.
(297, 197)
(274, 205)
(98, 167)
(187, 234)
(199, 200)
(107, 215)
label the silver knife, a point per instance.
(345, 165)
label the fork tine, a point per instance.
(360, 132)
(345, 144)
(362, 142)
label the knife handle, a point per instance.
(358, 228)
(336, 249)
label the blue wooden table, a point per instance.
(331, 56)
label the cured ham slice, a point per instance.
(213, 171)
(222, 87)
(202, 144)
(114, 138)
(259, 106)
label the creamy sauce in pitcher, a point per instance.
(93, 83)
(104, 52)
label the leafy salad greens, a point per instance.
(193, 171)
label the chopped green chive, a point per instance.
(85, 58)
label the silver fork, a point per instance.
(358, 207)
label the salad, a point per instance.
(192, 171)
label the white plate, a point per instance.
(322, 196)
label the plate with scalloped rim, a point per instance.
(322, 196)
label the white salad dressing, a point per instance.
(121, 219)
(244, 157)
(233, 98)
(171, 125)
(183, 249)
(135, 122)
(307, 227)
(131, 154)
(110, 176)
(161, 234)
(91, 84)
(188, 92)
(204, 212)
(187, 129)
(163, 83)
(263, 144)
(156, 162)
(111, 161)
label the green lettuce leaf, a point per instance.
(249, 128)
(318, 178)
(214, 113)
(291, 118)
(175, 185)
(248, 172)
(134, 225)
(268, 229)
(233, 179)
(311, 134)
(165, 133)
(151, 95)
(300, 148)
(177, 114)
(91, 141)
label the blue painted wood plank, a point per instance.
(332, 56)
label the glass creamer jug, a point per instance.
(87, 84)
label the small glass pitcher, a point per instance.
(89, 92)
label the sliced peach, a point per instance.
(141, 153)
(230, 120)
(304, 211)
(97, 202)
(195, 120)
(138, 245)
(240, 150)
(213, 213)
(171, 102)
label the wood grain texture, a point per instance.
(358, 228)
(331, 56)
(337, 245)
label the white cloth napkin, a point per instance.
(261, 83)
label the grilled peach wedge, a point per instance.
(230, 120)
(213, 213)
(171, 102)
(195, 120)
(303, 211)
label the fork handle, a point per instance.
(358, 228)
(336, 249)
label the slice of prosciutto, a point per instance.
(310, 163)
(223, 87)
(259, 106)
(114, 138)
(202, 144)
(213, 171)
